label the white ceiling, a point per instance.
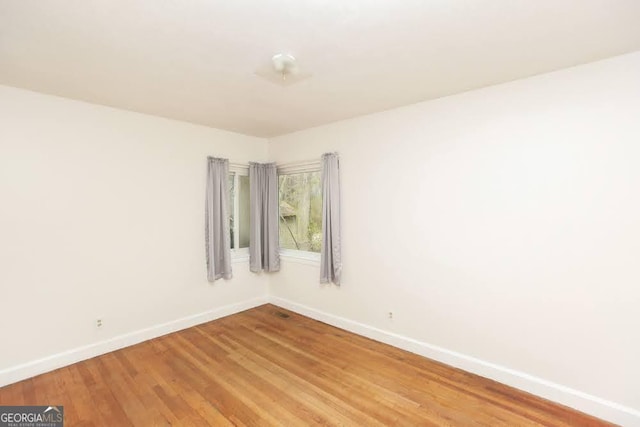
(195, 60)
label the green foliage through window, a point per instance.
(300, 197)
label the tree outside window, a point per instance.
(300, 196)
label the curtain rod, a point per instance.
(304, 163)
(280, 165)
(239, 165)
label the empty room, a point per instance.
(293, 213)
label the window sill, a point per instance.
(239, 255)
(300, 257)
(290, 255)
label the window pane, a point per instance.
(243, 220)
(232, 198)
(301, 211)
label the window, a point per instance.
(239, 209)
(300, 196)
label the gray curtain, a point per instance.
(264, 252)
(330, 255)
(217, 236)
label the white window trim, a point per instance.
(299, 167)
(302, 257)
(239, 257)
(239, 168)
(238, 254)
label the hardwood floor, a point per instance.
(261, 367)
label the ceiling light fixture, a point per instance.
(282, 70)
(285, 64)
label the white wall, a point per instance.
(502, 224)
(102, 215)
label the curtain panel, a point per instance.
(331, 253)
(264, 250)
(217, 235)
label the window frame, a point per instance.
(304, 257)
(237, 170)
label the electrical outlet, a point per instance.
(390, 315)
(98, 323)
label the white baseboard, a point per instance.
(55, 361)
(601, 408)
